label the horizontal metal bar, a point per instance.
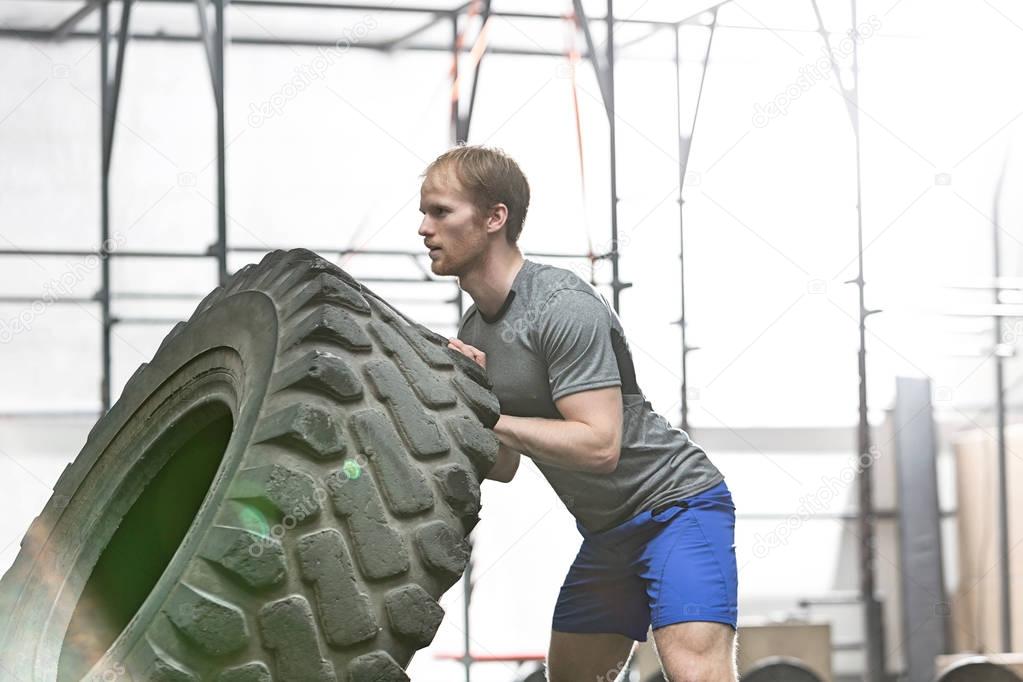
(197, 254)
(423, 28)
(847, 646)
(44, 35)
(839, 598)
(345, 251)
(388, 252)
(119, 253)
(351, 7)
(829, 516)
(836, 598)
(174, 296)
(42, 299)
(404, 9)
(160, 295)
(175, 320)
(144, 320)
(590, 19)
(321, 5)
(47, 414)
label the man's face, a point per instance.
(451, 229)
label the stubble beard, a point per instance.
(474, 251)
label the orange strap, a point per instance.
(572, 53)
(475, 54)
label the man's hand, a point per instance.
(474, 354)
(507, 462)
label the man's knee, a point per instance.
(697, 651)
(701, 669)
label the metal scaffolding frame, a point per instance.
(214, 40)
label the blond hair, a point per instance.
(488, 176)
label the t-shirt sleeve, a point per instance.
(574, 336)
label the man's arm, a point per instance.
(587, 439)
(574, 335)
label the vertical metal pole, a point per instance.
(219, 44)
(1003, 483)
(467, 575)
(873, 621)
(616, 283)
(106, 131)
(684, 146)
(681, 231)
(467, 592)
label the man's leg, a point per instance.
(697, 651)
(601, 611)
(693, 588)
(575, 657)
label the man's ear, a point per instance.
(497, 218)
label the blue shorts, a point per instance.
(660, 567)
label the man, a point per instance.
(656, 517)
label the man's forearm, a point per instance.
(558, 442)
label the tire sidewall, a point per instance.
(40, 591)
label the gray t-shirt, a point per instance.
(556, 335)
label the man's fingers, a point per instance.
(462, 348)
(471, 351)
(474, 354)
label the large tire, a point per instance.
(283, 493)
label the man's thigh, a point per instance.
(697, 650)
(602, 595)
(575, 657)
(689, 567)
(600, 613)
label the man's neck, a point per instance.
(489, 283)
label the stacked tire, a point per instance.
(282, 493)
